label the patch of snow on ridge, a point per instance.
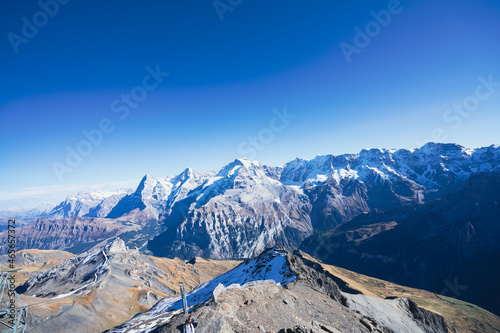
(99, 274)
(220, 288)
(270, 265)
(246, 162)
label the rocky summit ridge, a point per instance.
(279, 292)
(101, 287)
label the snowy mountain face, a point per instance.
(246, 207)
(159, 195)
(88, 204)
(433, 168)
(342, 187)
(237, 212)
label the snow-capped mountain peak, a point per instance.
(89, 204)
(245, 207)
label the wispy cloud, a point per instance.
(33, 196)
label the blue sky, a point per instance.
(228, 79)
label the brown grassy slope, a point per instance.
(211, 268)
(29, 261)
(465, 317)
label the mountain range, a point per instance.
(114, 286)
(246, 207)
(425, 215)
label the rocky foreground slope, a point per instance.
(101, 288)
(30, 261)
(277, 292)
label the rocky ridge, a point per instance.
(102, 288)
(275, 292)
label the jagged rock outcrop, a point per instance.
(102, 288)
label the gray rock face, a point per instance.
(398, 315)
(270, 308)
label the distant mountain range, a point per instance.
(414, 209)
(246, 207)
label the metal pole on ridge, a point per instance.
(184, 300)
(12, 317)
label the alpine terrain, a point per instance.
(278, 292)
(100, 288)
(424, 218)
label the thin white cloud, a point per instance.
(32, 196)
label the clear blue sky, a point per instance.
(225, 79)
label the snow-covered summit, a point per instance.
(435, 166)
(429, 165)
(89, 203)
